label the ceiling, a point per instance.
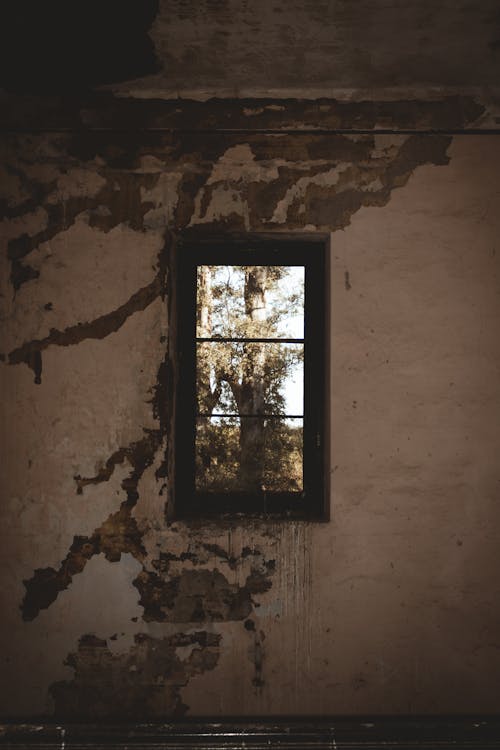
(161, 48)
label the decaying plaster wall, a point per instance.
(392, 606)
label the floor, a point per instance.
(375, 733)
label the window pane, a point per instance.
(217, 454)
(250, 301)
(283, 456)
(250, 378)
(249, 454)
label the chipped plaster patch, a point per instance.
(202, 594)
(143, 682)
(73, 287)
(77, 183)
(100, 501)
(151, 164)
(238, 164)
(224, 203)
(252, 111)
(387, 146)
(12, 190)
(164, 197)
(30, 223)
(149, 512)
(102, 601)
(108, 403)
(298, 190)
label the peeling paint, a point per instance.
(250, 598)
(390, 109)
(144, 681)
(118, 534)
(315, 180)
(201, 595)
(31, 352)
(108, 199)
(340, 177)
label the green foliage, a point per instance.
(218, 456)
(248, 378)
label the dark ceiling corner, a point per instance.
(58, 46)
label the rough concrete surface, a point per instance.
(247, 48)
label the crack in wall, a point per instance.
(118, 534)
(30, 353)
(118, 201)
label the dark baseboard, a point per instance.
(343, 733)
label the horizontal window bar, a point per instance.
(254, 416)
(221, 339)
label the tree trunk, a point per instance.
(206, 396)
(252, 391)
(247, 385)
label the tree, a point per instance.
(246, 380)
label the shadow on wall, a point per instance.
(60, 46)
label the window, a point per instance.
(251, 412)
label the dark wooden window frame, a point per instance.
(251, 249)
